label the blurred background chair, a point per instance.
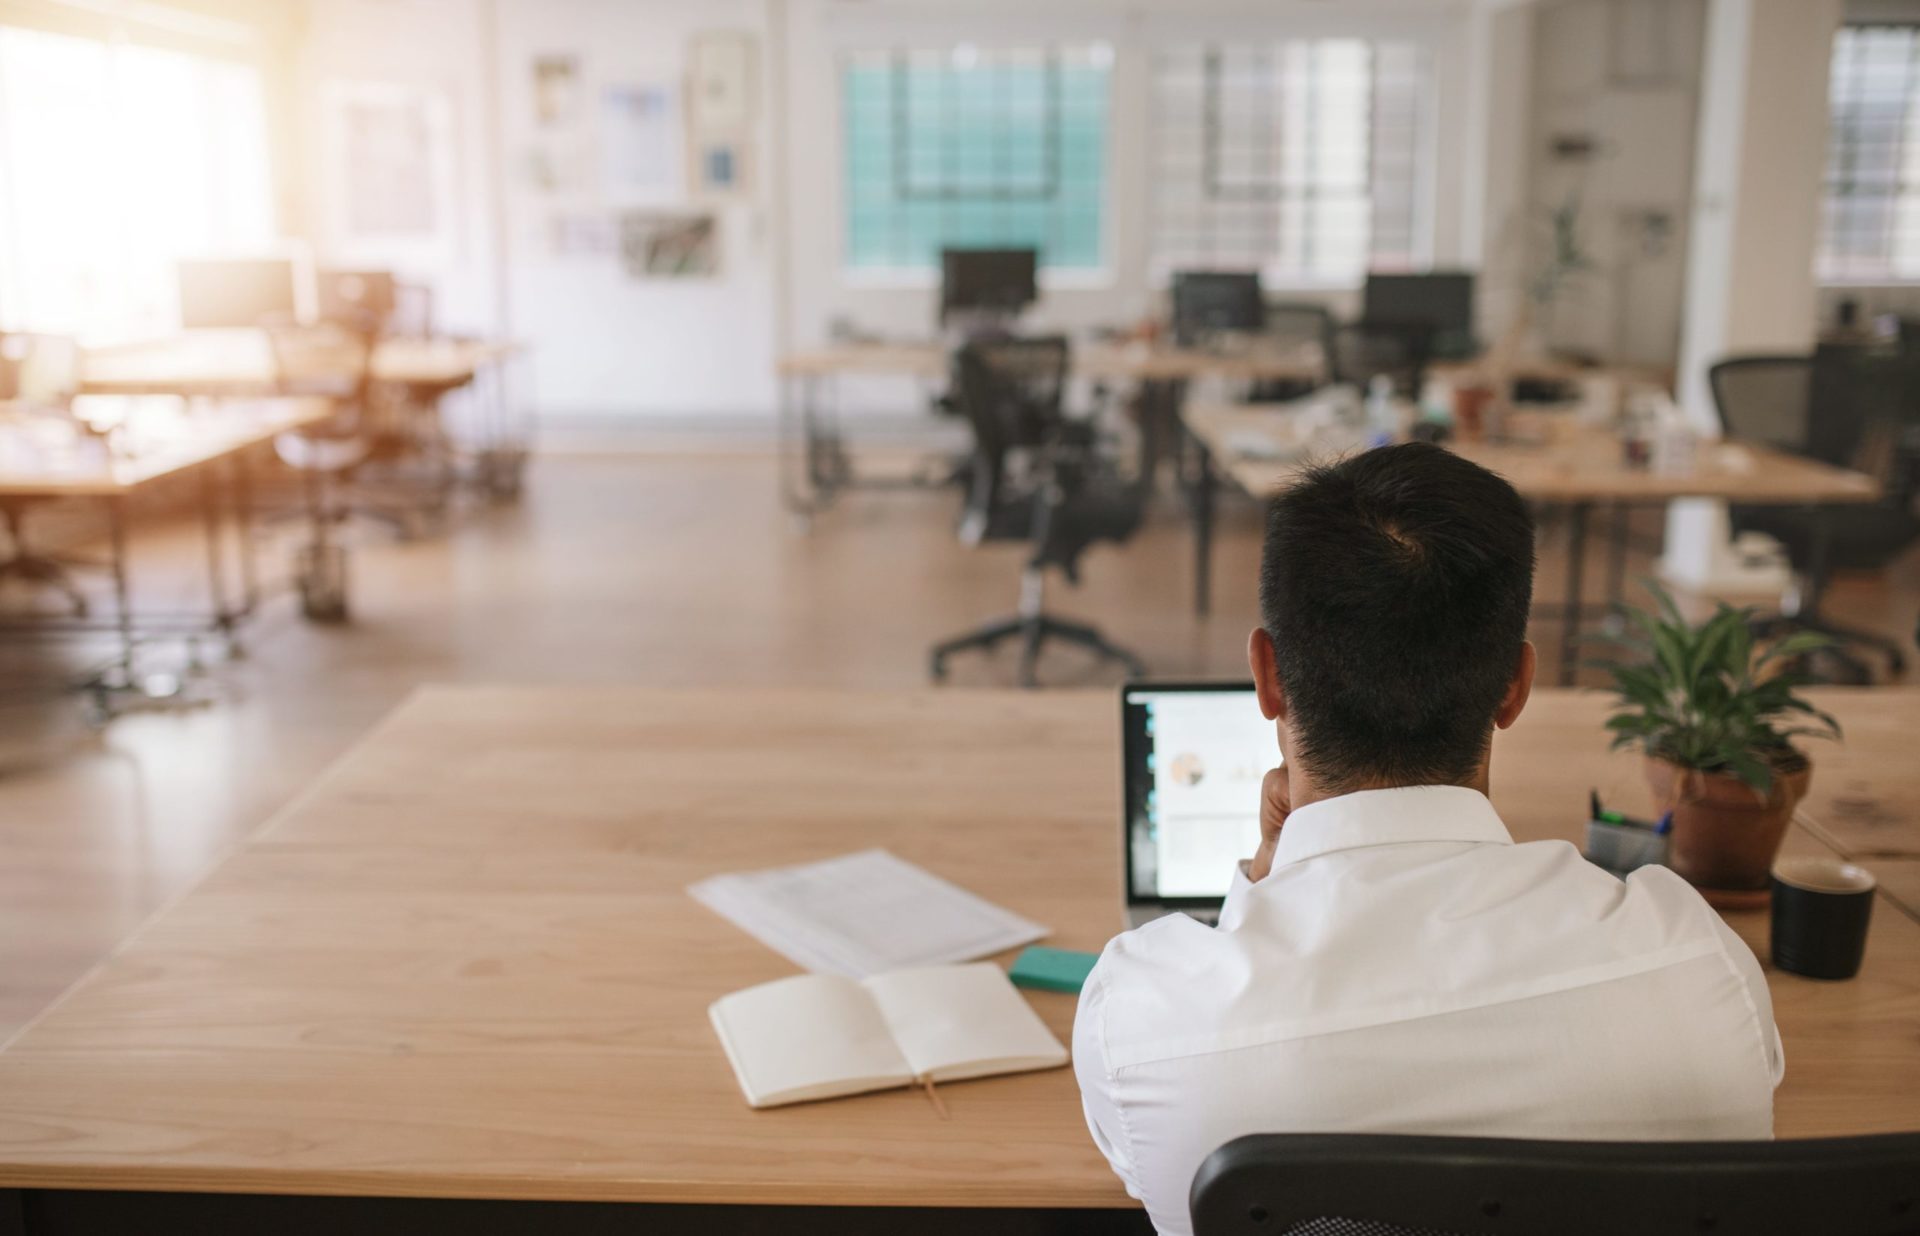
(1363, 350)
(1316, 1184)
(39, 374)
(1012, 392)
(1843, 406)
(1296, 326)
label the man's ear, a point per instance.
(1519, 688)
(1266, 675)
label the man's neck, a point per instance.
(1305, 788)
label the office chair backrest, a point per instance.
(1012, 390)
(1303, 325)
(1312, 1184)
(1766, 399)
(1362, 350)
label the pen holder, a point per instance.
(1621, 848)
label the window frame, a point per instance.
(897, 45)
(1425, 186)
(1902, 188)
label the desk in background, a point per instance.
(465, 966)
(151, 440)
(1574, 468)
(227, 363)
(815, 466)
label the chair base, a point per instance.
(38, 570)
(1034, 630)
(1841, 634)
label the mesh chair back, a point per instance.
(1302, 326)
(1012, 390)
(1363, 350)
(1766, 399)
(1391, 1185)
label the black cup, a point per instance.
(1821, 907)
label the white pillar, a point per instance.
(1760, 157)
(1499, 42)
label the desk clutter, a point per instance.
(878, 1011)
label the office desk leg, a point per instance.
(243, 527)
(122, 591)
(223, 617)
(1617, 554)
(1205, 487)
(1576, 571)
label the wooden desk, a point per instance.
(241, 362)
(157, 438)
(816, 466)
(929, 361)
(87, 467)
(1572, 467)
(464, 965)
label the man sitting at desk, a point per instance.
(1389, 960)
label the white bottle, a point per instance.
(1382, 420)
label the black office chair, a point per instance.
(1363, 350)
(1012, 393)
(1296, 326)
(1313, 1184)
(1827, 407)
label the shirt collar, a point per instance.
(1389, 817)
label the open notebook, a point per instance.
(820, 1036)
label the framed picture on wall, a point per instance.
(388, 173)
(720, 86)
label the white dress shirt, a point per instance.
(1407, 968)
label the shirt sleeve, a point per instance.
(1235, 906)
(1097, 1098)
(1757, 991)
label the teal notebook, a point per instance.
(1052, 969)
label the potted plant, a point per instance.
(1715, 716)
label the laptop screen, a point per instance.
(1194, 756)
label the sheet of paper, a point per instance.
(863, 914)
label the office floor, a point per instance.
(653, 569)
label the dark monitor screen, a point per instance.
(1206, 301)
(988, 280)
(241, 292)
(355, 295)
(1441, 301)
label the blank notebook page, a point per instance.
(813, 1036)
(955, 1022)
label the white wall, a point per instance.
(605, 343)
(437, 45)
(820, 293)
(1622, 76)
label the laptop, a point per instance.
(1193, 756)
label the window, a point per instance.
(115, 161)
(969, 146)
(1870, 209)
(1302, 159)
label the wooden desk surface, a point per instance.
(464, 964)
(241, 362)
(1579, 465)
(85, 467)
(928, 361)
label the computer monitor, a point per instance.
(1207, 302)
(1439, 304)
(1193, 757)
(236, 292)
(987, 282)
(356, 295)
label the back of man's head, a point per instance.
(1395, 586)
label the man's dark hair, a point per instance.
(1395, 585)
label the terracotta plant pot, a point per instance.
(1725, 835)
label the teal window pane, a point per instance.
(947, 147)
